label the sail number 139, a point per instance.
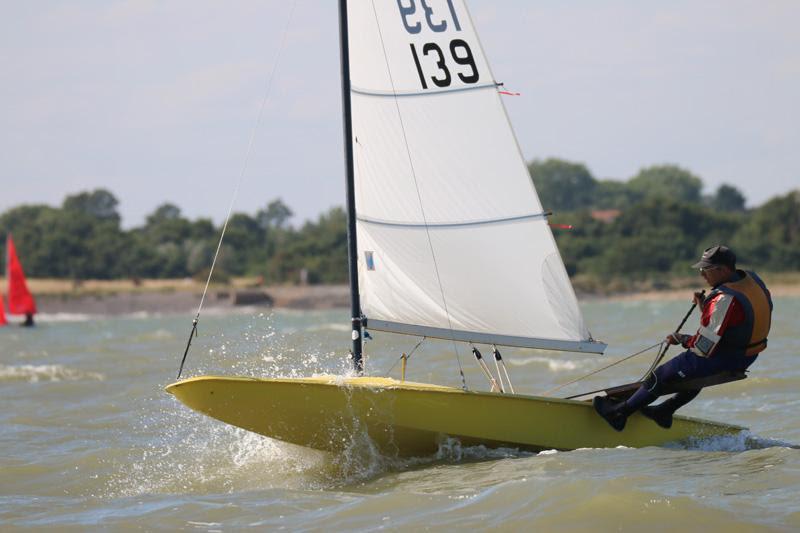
(459, 50)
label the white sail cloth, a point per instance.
(452, 239)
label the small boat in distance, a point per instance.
(20, 299)
(3, 320)
(447, 239)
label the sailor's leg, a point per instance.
(645, 395)
(617, 414)
(679, 400)
(662, 413)
(685, 366)
(676, 368)
(690, 367)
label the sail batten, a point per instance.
(400, 94)
(586, 346)
(503, 220)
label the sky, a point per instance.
(157, 101)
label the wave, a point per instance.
(197, 455)
(554, 364)
(88, 317)
(190, 453)
(194, 454)
(209, 311)
(65, 317)
(159, 334)
(36, 373)
(331, 326)
(740, 442)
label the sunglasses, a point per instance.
(708, 268)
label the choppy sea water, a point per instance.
(89, 439)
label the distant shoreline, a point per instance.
(119, 297)
(777, 290)
(186, 299)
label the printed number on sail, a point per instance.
(407, 11)
(438, 60)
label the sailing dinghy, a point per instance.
(3, 320)
(20, 299)
(447, 239)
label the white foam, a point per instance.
(36, 373)
(740, 442)
(555, 365)
(451, 450)
(64, 317)
(194, 454)
(548, 452)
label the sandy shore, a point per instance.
(792, 291)
(183, 296)
(779, 285)
(117, 297)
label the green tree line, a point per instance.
(654, 224)
(83, 239)
(658, 222)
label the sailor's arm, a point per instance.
(678, 338)
(684, 338)
(699, 298)
(720, 313)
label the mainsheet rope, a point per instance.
(661, 353)
(248, 151)
(554, 389)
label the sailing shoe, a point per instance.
(661, 416)
(610, 412)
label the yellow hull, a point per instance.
(411, 419)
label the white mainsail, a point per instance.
(452, 238)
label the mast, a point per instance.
(352, 248)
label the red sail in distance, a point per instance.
(20, 300)
(3, 320)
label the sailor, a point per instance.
(735, 321)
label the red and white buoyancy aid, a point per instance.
(748, 336)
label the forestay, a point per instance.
(452, 238)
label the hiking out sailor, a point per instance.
(734, 325)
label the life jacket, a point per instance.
(749, 337)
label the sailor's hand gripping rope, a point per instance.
(665, 344)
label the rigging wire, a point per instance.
(494, 387)
(499, 375)
(497, 360)
(498, 357)
(548, 392)
(407, 357)
(245, 163)
(419, 196)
